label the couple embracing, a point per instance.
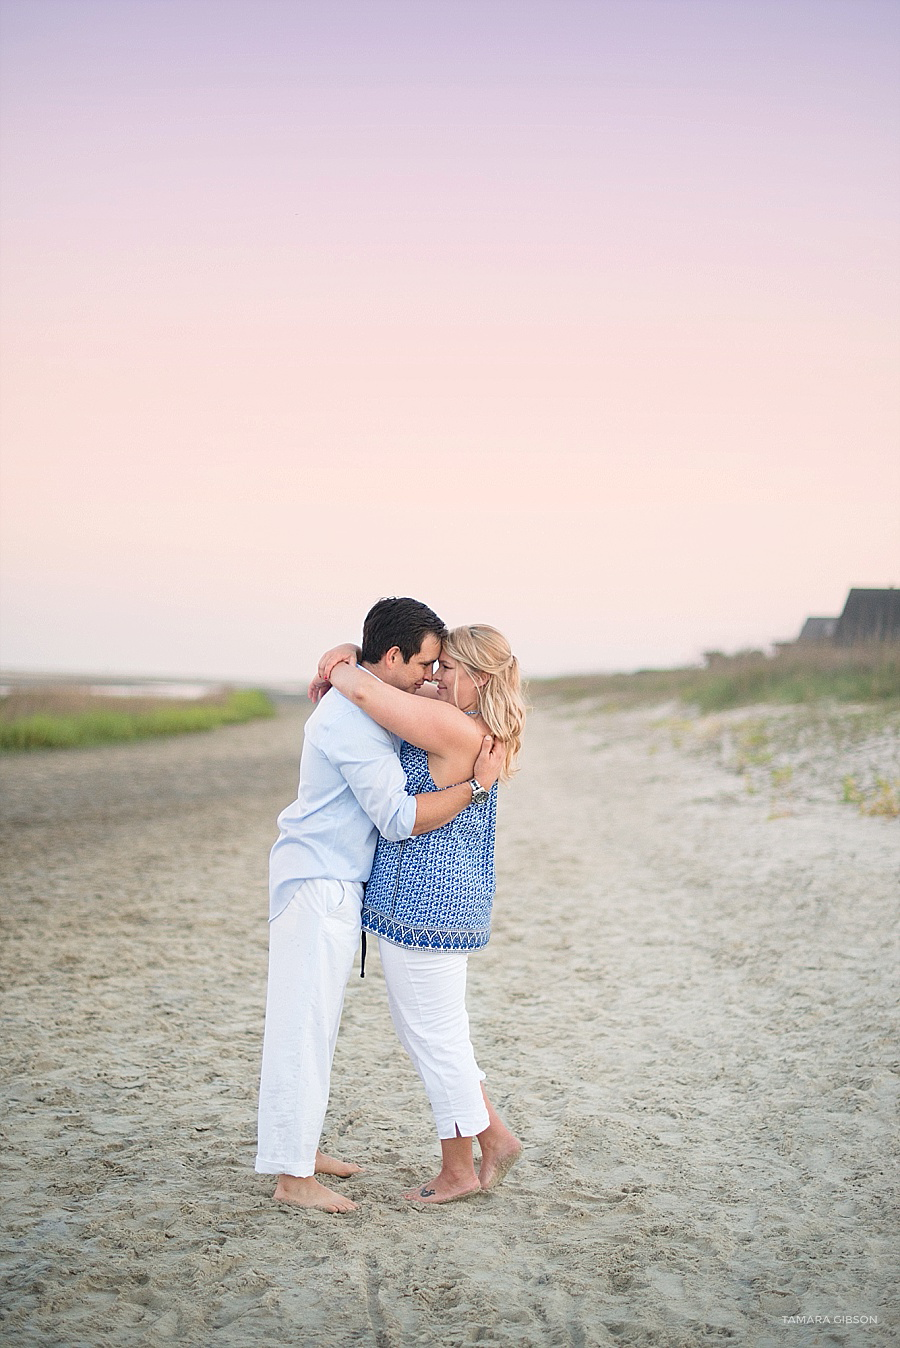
(392, 830)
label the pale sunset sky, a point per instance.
(580, 317)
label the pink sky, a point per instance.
(578, 318)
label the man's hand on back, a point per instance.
(489, 762)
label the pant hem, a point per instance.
(292, 1168)
(445, 1133)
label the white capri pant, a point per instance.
(311, 948)
(427, 996)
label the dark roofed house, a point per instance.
(869, 616)
(818, 629)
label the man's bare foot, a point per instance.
(441, 1190)
(328, 1165)
(305, 1191)
(497, 1161)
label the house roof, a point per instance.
(869, 615)
(818, 629)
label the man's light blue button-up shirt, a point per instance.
(352, 788)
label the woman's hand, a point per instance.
(338, 655)
(317, 689)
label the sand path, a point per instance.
(686, 1010)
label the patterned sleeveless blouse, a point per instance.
(435, 891)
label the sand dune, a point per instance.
(687, 1011)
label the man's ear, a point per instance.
(394, 656)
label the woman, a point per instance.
(429, 898)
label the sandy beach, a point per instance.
(688, 1010)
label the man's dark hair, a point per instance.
(398, 622)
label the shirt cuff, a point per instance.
(406, 817)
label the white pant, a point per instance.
(311, 948)
(427, 996)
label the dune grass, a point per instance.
(63, 718)
(795, 674)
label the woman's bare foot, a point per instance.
(305, 1191)
(500, 1149)
(457, 1178)
(441, 1190)
(497, 1160)
(328, 1165)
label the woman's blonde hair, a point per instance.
(485, 655)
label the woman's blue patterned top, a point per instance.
(435, 890)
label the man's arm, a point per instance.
(436, 808)
(372, 771)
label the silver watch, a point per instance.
(479, 792)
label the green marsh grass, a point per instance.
(796, 674)
(881, 799)
(63, 718)
(832, 710)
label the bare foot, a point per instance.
(441, 1190)
(305, 1191)
(497, 1161)
(328, 1165)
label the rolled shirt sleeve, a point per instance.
(371, 768)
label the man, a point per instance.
(352, 788)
